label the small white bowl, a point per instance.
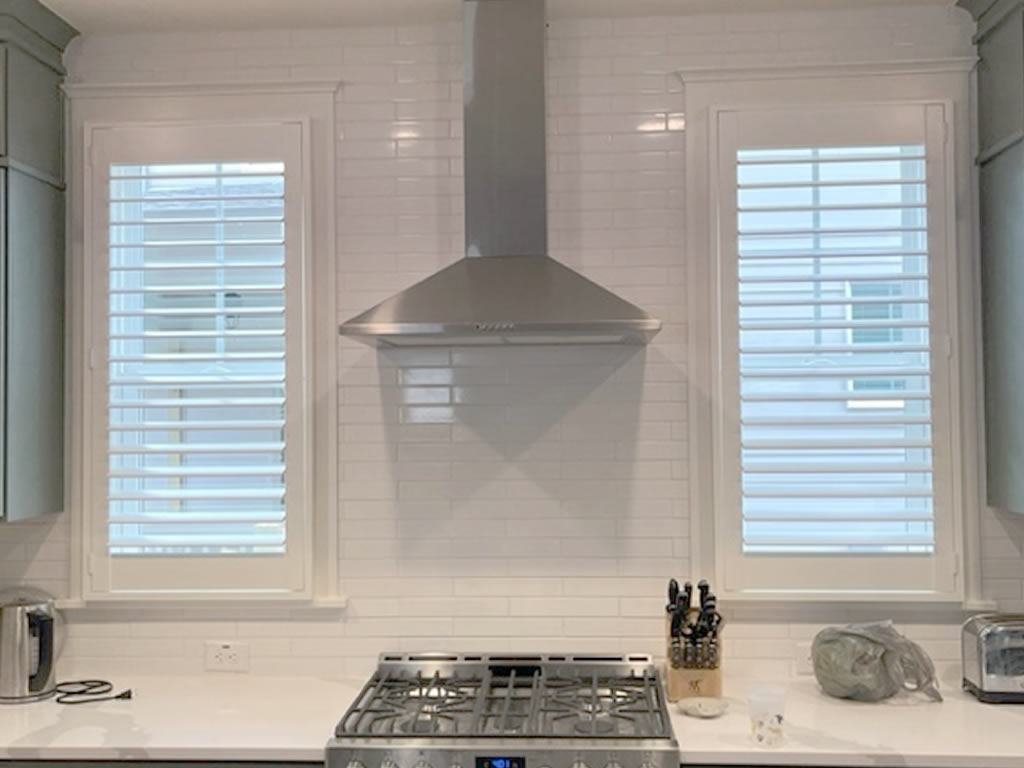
(703, 706)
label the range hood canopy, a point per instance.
(506, 290)
(503, 300)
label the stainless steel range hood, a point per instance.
(506, 290)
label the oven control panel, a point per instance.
(339, 756)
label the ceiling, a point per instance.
(109, 16)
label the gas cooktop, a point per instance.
(441, 710)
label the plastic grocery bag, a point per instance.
(871, 662)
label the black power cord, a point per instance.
(88, 691)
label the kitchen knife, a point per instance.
(710, 608)
(673, 595)
(677, 623)
(702, 627)
(675, 634)
(689, 649)
(715, 623)
(687, 598)
(679, 614)
(704, 588)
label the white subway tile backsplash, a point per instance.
(517, 626)
(559, 29)
(348, 37)
(563, 606)
(176, 63)
(757, 647)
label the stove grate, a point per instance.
(510, 702)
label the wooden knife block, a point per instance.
(688, 683)
(684, 683)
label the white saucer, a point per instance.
(703, 706)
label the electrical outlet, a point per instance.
(802, 664)
(227, 656)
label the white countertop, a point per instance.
(242, 717)
(907, 731)
(211, 717)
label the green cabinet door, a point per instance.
(34, 331)
(1002, 244)
(1000, 41)
(32, 39)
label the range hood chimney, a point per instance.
(506, 290)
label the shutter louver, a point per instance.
(196, 359)
(834, 351)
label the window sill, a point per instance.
(845, 610)
(207, 608)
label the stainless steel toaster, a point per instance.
(993, 657)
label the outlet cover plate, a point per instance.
(226, 656)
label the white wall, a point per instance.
(513, 499)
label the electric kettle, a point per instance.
(27, 645)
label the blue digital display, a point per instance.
(500, 762)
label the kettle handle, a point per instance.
(41, 625)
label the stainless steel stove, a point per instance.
(507, 711)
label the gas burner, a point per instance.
(601, 726)
(420, 725)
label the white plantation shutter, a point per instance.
(834, 356)
(202, 383)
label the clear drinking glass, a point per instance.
(766, 704)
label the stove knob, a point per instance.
(423, 764)
(354, 764)
(388, 763)
(580, 764)
(613, 764)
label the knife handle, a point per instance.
(703, 588)
(673, 595)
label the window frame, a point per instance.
(307, 111)
(711, 94)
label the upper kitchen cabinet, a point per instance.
(1000, 40)
(32, 40)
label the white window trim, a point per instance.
(311, 105)
(826, 574)
(710, 91)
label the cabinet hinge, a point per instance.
(92, 358)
